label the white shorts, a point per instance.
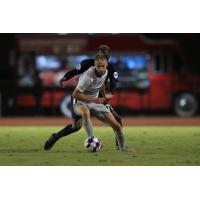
(92, 107)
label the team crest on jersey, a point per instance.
(115, 74)
(78, 67)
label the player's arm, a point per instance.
(80, 96)
(103, 93)
(82, 67)
(113, 79)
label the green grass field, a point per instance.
(155, 146)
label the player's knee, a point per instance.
(117, 127)
(85, 112)
(78, 125)
(117, 117)
(77, 128)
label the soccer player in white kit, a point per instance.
(87, 100)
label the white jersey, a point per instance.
(89, 83)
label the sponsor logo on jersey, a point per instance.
(115, 74)
(78, 67)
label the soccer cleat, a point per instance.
(50, 142)
(129, 151)
(124, 149)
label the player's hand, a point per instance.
(63, 82)
(109, 96)
(99, 100)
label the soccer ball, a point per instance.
(93, 144)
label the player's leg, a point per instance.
(117, 117)
(84, 112)
(101, 117)
(69, 129)
(111, 121)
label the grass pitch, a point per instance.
(154, 146)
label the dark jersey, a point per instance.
(86, 64)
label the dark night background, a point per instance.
(189, 43)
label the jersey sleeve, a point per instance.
(79, 69)
(83, 82)
(113, 78)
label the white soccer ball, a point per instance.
(93, 144)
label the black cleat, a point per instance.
(50, 142)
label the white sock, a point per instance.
(120, 140)
(87, 124)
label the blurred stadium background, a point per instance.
(158, 73)
(158, 96)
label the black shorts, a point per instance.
(74, 115)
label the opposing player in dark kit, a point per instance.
(77, 120)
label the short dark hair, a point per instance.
(105, 49)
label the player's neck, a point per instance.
(96, 73)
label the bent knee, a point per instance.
(78, 125)
(85, 112)
(77, 128)
(117, 117)
(117, 127)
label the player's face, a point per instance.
(101, 66)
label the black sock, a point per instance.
(66, 131)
